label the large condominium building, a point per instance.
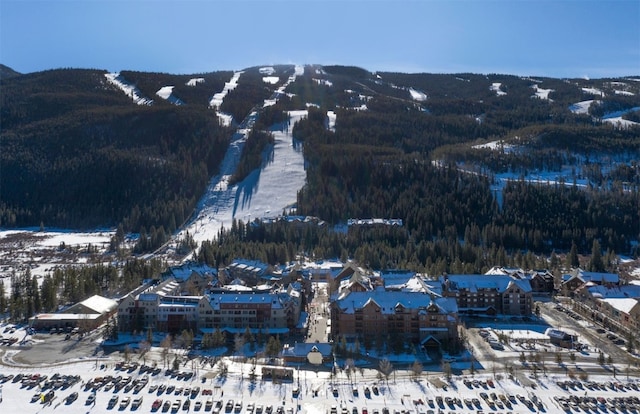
(489, 294)
(406, 309)
(161, 307)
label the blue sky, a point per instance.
(562, 38)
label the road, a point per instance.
(319, 317)
(618, 354)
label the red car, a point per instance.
(156, 405)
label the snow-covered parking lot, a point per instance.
(24, 391)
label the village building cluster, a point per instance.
(362, 304)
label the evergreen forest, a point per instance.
(79, 153)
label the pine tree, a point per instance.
(572, 258)
(596, 264)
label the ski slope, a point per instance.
(266, 192)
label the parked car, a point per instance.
(113, 401)
(71, 397)
(125, 402)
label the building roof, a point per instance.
(65, 316)
(474, 283)
(599, 277)
(349, 302)
(255, 267)
(301, 349)
(510, 271)
(96, 304)
(275, 299)
(623, 291)
(624, 305)
(395, 278)
(557, 334)
(595, 277)
(184, 271)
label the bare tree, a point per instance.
(238, 342)
(386, 368)
(416, 369)
(165, 344)
(349, 368)
(446, 370)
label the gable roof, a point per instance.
(474, 283)
(596, 277)
(96, 304)
(388, 300)
(625, 305)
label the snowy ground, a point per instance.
(318, 391)
(42, 251)
(264, 193)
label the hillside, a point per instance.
(478, 167)
(6, 72)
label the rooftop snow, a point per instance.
(622, 304)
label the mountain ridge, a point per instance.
(144, 168)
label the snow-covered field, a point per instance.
(42, 251)
(542, 93)
(317, 390)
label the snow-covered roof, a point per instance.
(396, 277)
(251, 266)
(600, 277)
(184, 271)
(624, 291)
(65, 316)
(596, 277)
(275, 299)
(389, 300)
(301, 349)
(473, 283)
(624, 305)
(98, 304)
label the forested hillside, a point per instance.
(454, 156)
(77, 153)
